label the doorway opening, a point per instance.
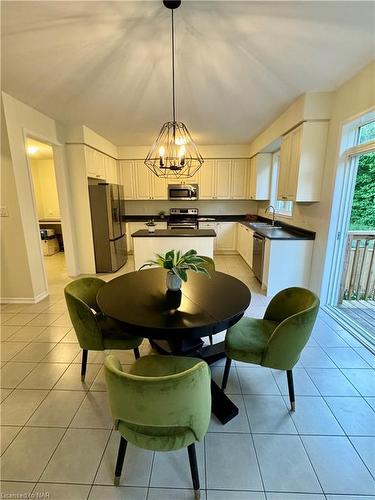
(47, 206)
(352, 286)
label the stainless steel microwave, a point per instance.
(182, 191)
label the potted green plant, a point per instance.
(161, 214)
(177, 266)
(151, 225)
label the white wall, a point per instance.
(22, 121)
(224, 151)
(205, 207)
(43, 173)
(15, 275)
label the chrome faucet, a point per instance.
(273, 213)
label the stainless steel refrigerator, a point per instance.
(107, 227)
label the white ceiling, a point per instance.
(107, 64)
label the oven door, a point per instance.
(182, 192)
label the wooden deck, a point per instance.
(361, 312)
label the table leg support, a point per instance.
(222, 407)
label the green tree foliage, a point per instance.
(363, 210)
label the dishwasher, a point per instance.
(258, 255)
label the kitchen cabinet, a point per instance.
(142, 181)
(245, 243)
(111, 170)
(206, 180)
(222, 180)
(259, 177)
(286, 263)
(240, 167)
(210, 225)
(126, 174)
(147, 185)
(226, 237)
(94, 163)
(302, 157)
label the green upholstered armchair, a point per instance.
(94, 330)
(276, 341)
(162, 404)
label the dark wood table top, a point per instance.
(204, 306)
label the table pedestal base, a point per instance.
(222, 407)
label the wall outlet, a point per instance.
(4, 212)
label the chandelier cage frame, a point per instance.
(174, 154)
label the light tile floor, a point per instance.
(57, 434)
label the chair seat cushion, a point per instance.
(115, 336)
(247, 339)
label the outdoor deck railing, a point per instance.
(358, 278)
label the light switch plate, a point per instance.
(4, 212)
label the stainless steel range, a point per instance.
(183, 218)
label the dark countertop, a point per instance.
(178, 233)
(281, 234)
(287, 232)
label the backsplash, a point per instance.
(205, 207)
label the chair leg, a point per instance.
(226, 373)
(120, 460)
(136, 353)
(84, 364)
(292, 399)
(194, 470)
(211, 339)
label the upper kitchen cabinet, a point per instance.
(259, 178)
(206, 180)
(223, 179)
(94, 163)
(302, 158)
(240, 167)
(126, 174)
(147, 185)
(111, 170)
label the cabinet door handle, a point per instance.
(97, 176)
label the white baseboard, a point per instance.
(24, 300)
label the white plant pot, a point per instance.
(151, 229)
(173, 282)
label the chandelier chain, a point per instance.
(173, 73)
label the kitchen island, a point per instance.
(147, 244)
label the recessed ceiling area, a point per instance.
(238, 64)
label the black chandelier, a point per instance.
(174, 153)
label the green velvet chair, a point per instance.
(162, 404)
(209, 264)
(276, 341)
(94, 330)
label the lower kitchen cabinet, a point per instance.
(245, 243)
(286, 263)
(226, 235)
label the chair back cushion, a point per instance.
(80, 296)
(295, 309)
(159, 405)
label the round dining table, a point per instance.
(175, 322)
